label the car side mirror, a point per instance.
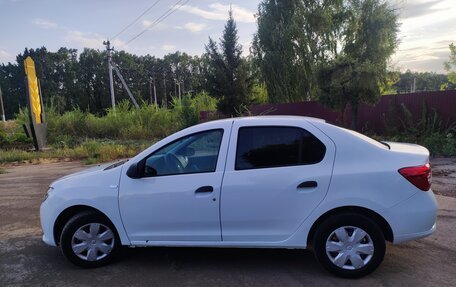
(136, 170)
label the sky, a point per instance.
(427, 27)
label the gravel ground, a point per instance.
(26, 261)
(444, 176)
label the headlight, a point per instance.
(48, 192)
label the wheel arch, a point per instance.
(68, 213)
(377, 218)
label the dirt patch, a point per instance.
(444, 176)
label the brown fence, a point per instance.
(390, 111)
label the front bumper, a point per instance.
(413, 218)
(47, 219)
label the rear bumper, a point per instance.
(413, 218)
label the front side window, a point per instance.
(191, 154)
(265, 147)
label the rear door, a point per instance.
(277, 172)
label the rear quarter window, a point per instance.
(266, 147)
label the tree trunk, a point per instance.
(354, 117)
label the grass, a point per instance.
(79, 135)
(89, 152)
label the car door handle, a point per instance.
(308, 184)
(204, 189)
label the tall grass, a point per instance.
(125, 123)
(90, 152)
(428, 130)
(122, 133)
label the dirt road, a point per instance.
(26, 261)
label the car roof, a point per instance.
(269, 117)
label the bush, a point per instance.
(428, 130)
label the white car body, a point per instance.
(256, 207)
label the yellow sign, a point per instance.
(32, 80)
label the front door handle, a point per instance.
(308, 184)
(205, 189)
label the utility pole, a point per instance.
(179, 89)
(153, 100)
(150, 90)
(111, 81)
(155, 92)
(114, 66)
(1, 103)
(164, 87)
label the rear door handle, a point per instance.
(205, 189)
(308, 184)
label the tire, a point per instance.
(89, 240)
(342, 248)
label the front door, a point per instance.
(177, 198)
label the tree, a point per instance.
(358, 72)
(414, 81)
(228, 77)
(450, 66)
(294, 37)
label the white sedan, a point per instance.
(266, 182)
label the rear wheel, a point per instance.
(89, 240)
(349, 245)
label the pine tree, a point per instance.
(228, 78)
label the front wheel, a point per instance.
(89, 240)
(349, 245)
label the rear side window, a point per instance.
(264, 147)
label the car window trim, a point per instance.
(176, 140)
(278, 166)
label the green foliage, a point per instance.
(259, 94)
(90, 152)
(70, 80)
(81, 135)
(293, 38)
(126, 123)
(450, 66)
(428, 130)
(229, 78)
(388, 87)
(188, 110)
(359, 71)
(12, 135)
(427, 81)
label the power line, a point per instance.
(160, 19)
(135, 20)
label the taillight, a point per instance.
(419, 176)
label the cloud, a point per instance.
(194, 27)
(219, 11)
(168, 47)
(90, 40)
(412, 10)
(6, 57)
(156, 27)
(43, 23)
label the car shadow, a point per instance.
(180, 258)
